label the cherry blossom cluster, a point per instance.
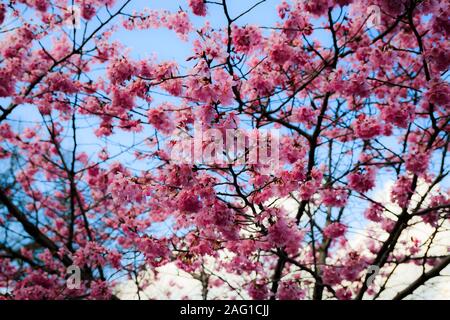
(90, 177)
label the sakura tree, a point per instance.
(92, 179)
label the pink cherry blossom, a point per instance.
(417, 161)
(334, 230)
(106, 126)
(2, 13)
(336, 197)
(367, 127)
(400, 193)
(258, 291)
(247, 38)
(374, 212)
(362, 180)
(198, 7)
(290, 290)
